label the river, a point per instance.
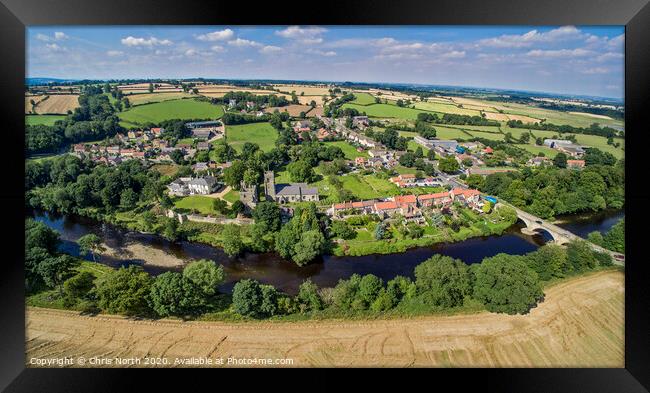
(269, 268)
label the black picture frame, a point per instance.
(15, 15)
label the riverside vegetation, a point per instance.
(503, 283)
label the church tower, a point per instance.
(269, 185)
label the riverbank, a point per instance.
(568, 329)
(146, 255)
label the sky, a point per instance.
(577, 60)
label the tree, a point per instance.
(234, 174)
(548, 261)
(580, 256)
(237, 207)
(170, 229)
(448, 164)
(505, 284)
(311, 245)
(268, 214)
(247, 297)
(301, 171)
(431, 154)
(614, 239)
(205, 274)
(125, 291)
(308, 297)
(342, 230)
(560, 160)
(78, 287)
(442, 281)
(55, 270)
(232, 243)
(173, 294)
(219, 205)
(369, 288)
(90, 243)
(177, 156)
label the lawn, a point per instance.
(601, 143)
(350, 151)
(196, 202)
(173, 109)
(363, 99)
(47, 120)
(263, 134)
(386, 110)
(231, 196)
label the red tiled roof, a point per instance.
(405, 199)
(434, 196)
(386, 205)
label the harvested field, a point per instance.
(58, 104)
(306, 100)
(293, 110)
(592, 115)
(580, 324)
(307, 89)
(496, 116)
(28, 104)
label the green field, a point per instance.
(167, 110)
(196, 202)
(263, 134)
(601, 143)
(450, 133)
(535, 150)
(350, 151)
(488, 135)
(47, 120)
(363, 99)
(386, 110)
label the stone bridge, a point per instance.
(560, 235)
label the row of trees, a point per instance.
(503, 283)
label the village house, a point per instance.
(203, 146)
(302, 126)
(79, 148)
(361, 207)
(202, 133)
(538, 161)
(157, 131)
(575, 164)
(436, 200)
(190, 186)
(360, 121)
(113, 150)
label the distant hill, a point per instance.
(45, 81)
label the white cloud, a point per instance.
(559, 53)
(191, 52)
(528, 39)
(242, 43)
(305, 35)
(151, 41)
(42, 37)
(455, 54)
(55, 48)
(595, 70)
(321, 52)
(609, 56)
(114, 53)
(59, 35)
(270, 49)
(220, 35)
(218, 49)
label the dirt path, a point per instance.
(580, 324)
